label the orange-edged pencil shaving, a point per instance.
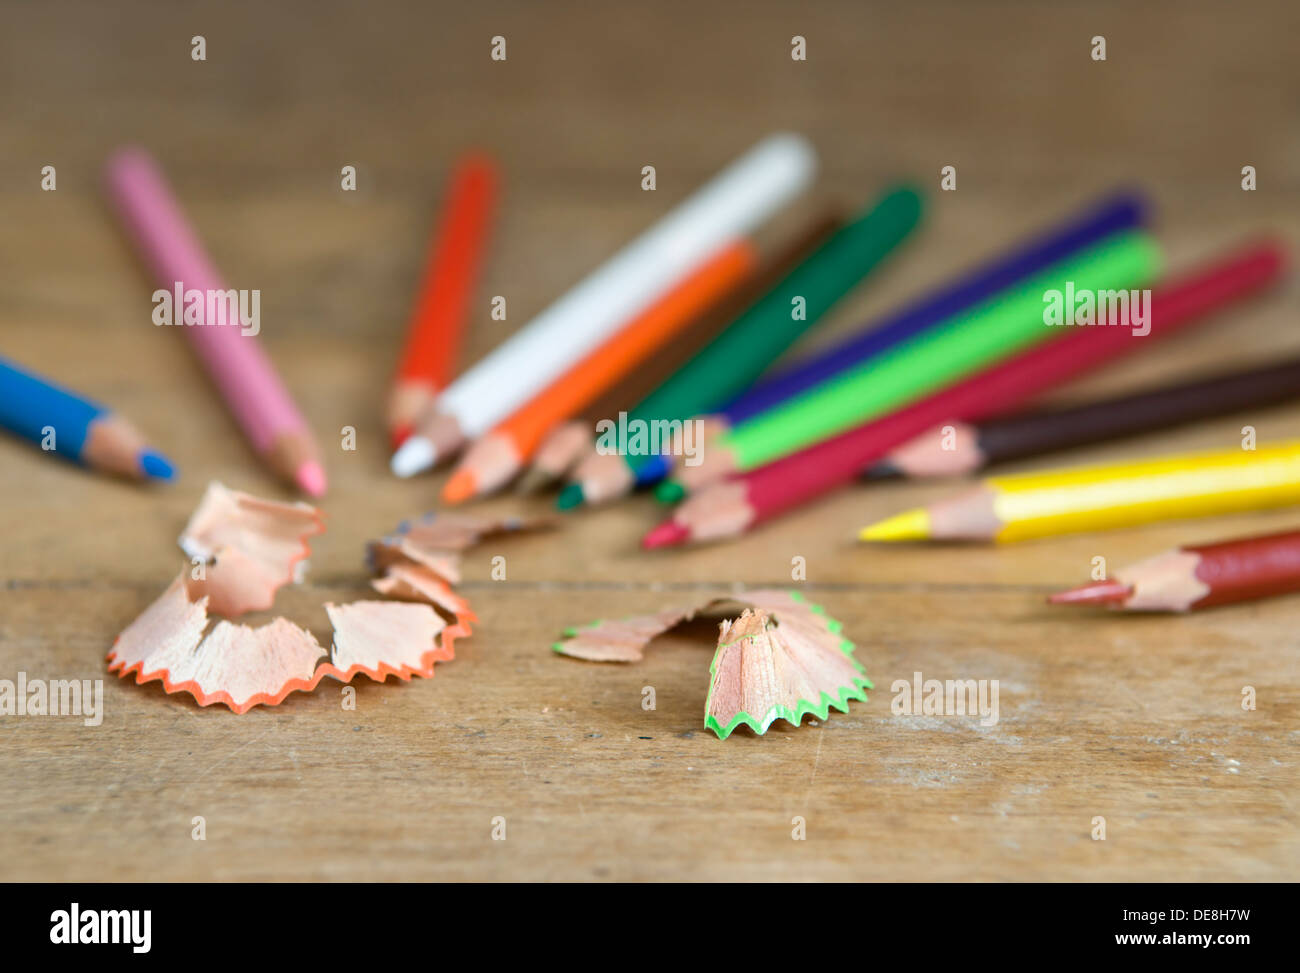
(245, 549)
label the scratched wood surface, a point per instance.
(1137, 720)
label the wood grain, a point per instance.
(1135, 719)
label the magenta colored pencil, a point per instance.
(229, 349)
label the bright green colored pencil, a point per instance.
(969, 342)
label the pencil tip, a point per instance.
(570, 497)
(310, 478)
(1100, 592)
(462, 485)
(156, 466)
(415, 455)
(910, 525)
(652, 468)
(669, 491)
(667, 534)
(884, 470)
(533, 481)
(399, 435)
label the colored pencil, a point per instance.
(977, 445)
(568, 442)
(441, 309)
(496, 457)
(734, 202)
(1103, 218)
(733, 360)
(966, 344)
(1199, 576)
(236, 362)
(75, 428)
(1042, 504)
(560, 451)
(731, 507)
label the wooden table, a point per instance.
(1137, 720)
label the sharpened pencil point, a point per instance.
(910, 525)
(310, 478)
(462, 485)
(399, 435)
(156, 466)
(570, 497)
(534, 481)
(415, 455)
(669, 491)
(652, 469)
(668, 534)
(1100, 592)
(883, 470)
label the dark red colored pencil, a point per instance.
(1200, 576)
(736, 505)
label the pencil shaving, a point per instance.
(416, 582)
(765, 669)
(252, 548)
(436, 541)
(380, 639)
(781, 658)
(623, 640)
(243, 667)
(235, 665)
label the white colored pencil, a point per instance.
(731, 205)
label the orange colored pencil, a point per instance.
(455, 257)
(499, 454)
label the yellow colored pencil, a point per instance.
(1026, 505)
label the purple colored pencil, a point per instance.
(1107, 216)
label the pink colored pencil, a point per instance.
(235, 361)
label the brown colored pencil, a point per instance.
(564, 447)
(972, 446)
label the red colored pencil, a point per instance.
(438, 320)
(734, 506)
(1200, 576)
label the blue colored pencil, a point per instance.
(75, 428)
(1109, 215)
